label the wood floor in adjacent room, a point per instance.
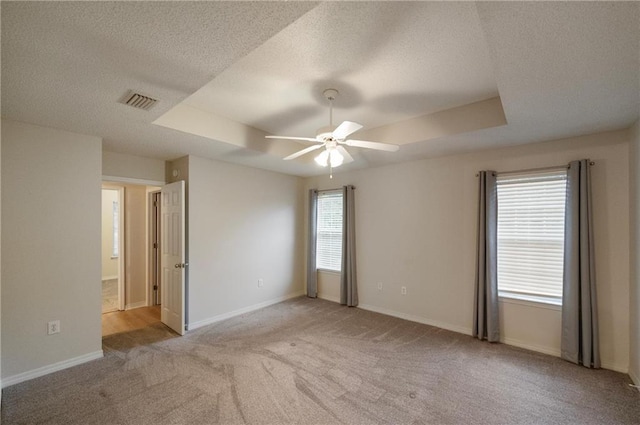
(310, 361)
(129, 320)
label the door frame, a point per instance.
(154, 257)
(117, 182)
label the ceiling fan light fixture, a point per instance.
(335, 158)
(329, 157)
(323, 158)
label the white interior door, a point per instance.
(172, 222)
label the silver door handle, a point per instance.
(181, 265)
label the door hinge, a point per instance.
(155, 245)
(155, 203)
(155, 287)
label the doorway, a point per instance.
(128, 276)
(112, 225)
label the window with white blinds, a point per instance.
(115, 252)
(531, 235)
(329, 231)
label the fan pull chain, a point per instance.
(330, 171)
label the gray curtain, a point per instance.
(312, 272)
(485, 311)
(579, 309)
(348, 280)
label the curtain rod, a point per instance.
(532, 170)
(331, 190)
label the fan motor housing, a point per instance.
(324, 133)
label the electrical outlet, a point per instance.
(403, 290)
(53, 327)
(379, 286)
(260, 283)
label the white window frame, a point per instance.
(329, 231)
(531, 210)
(115, 212)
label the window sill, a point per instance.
(329, 271)
(531, 301)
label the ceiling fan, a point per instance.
(333, 140)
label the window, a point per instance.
(115, 252)
(329, 231)
(531, 235)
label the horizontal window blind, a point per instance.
(329, 231)
(531, 211)
(115, 252)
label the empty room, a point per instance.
(292, 212)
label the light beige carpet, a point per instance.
(310, 361)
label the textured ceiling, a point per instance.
(390, 61)
(227, 73)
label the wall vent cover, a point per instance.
(139, 101)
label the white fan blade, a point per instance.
(307, 139)
(303, 151)
(345, 129)
(372, 145)
(347, 157)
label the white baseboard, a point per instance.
(552, 351)
(556, 353)
(418, 319)
(135, 305)
(531, 347)
(45, 370)
(328, 298)
(467, 331)
(224, 316)
(635, 378)
(615, 367)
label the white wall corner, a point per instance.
(45, 370)
(244, 310)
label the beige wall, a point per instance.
(634, 299)
(136, 249)
(244, 225)
(132, 167)
(416, 227)
(109, 264)
(177, 170)
(51, 249)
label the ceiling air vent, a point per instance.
(139, 101)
